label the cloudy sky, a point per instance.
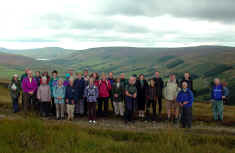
(79, 24)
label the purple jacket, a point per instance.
(28, 86)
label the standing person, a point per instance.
(59, 95)
(44, 97)
(185, 100)
(226, 93)
(29, 87)
(70, 99)
(21, 81)
(104, 88)
(95, 77)
(142, 87)
(151, 100)
(117, 91)
(38, 77)
(187, 78)
(123, 80)
(86, 79)
(130, 99)
(79, 85)
(91, 93)
(159, 86)
(217, 96)
(14, 88)
(112, 81)
(53, 83)
(170, 93)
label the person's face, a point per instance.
(141, 77)
(94, 75)
(26, 71)
(122, 76)
(60, 82)
(103, 77)
(185, 85)
(186, 75)
(79, 76)
(30, 74)
(157, 74)
(172, 77)
(15, 78)
(85, 73)
(37, 74)
(217, 81)
(132, 80)
(54, 75)
(110, 75)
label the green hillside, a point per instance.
(203, 62)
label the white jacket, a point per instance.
(171, 90)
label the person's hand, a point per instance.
(223, 97)
(72, 101)
(31, 92)
(185, 103)
(115, 95)
(134, 96)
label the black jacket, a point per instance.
(159, 84)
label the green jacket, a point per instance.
(17, 85)
(118, 90)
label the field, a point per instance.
(31, 134)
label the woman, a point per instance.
(44, 97)
(91, 93)
(70, 99)
(59, 95)
(95, 77)
(152, 99)
(142, 87)
(104, 88)
(185, 100)
(117, 94)
(14, 88)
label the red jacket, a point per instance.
(104, 88)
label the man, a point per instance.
(187, 79)
(112, 81)
(217, 97)
(79, 85)
(159, 86)
(29, 86)
(130, 96)
(38, 77)
(53, 83)
(86, 79)
(185, 100)
(170, 93)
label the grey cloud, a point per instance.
(221, 10)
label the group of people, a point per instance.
(136, 97)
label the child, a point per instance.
(117, 91)
(14, 88)
(59, 95)
(44, 97)
(91, 93)
(152, 99)
(70, 99)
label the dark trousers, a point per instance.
(15, 104)
(103, 101)
(186, 117)
(149, 103)
(29, 101)
(22, 99)
(91, 111)
(44, 108)
(159, 100)
(53, 108)
(85, 106)
(129, 108)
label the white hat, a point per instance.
(15, 75)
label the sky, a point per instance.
(81, 24)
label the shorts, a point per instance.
(172, 105)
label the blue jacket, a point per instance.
(79, 86)
(217, 92)
(91, 93)
(185, 96)
(59, 92)
(70, 94)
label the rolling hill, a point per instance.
(203, 62)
